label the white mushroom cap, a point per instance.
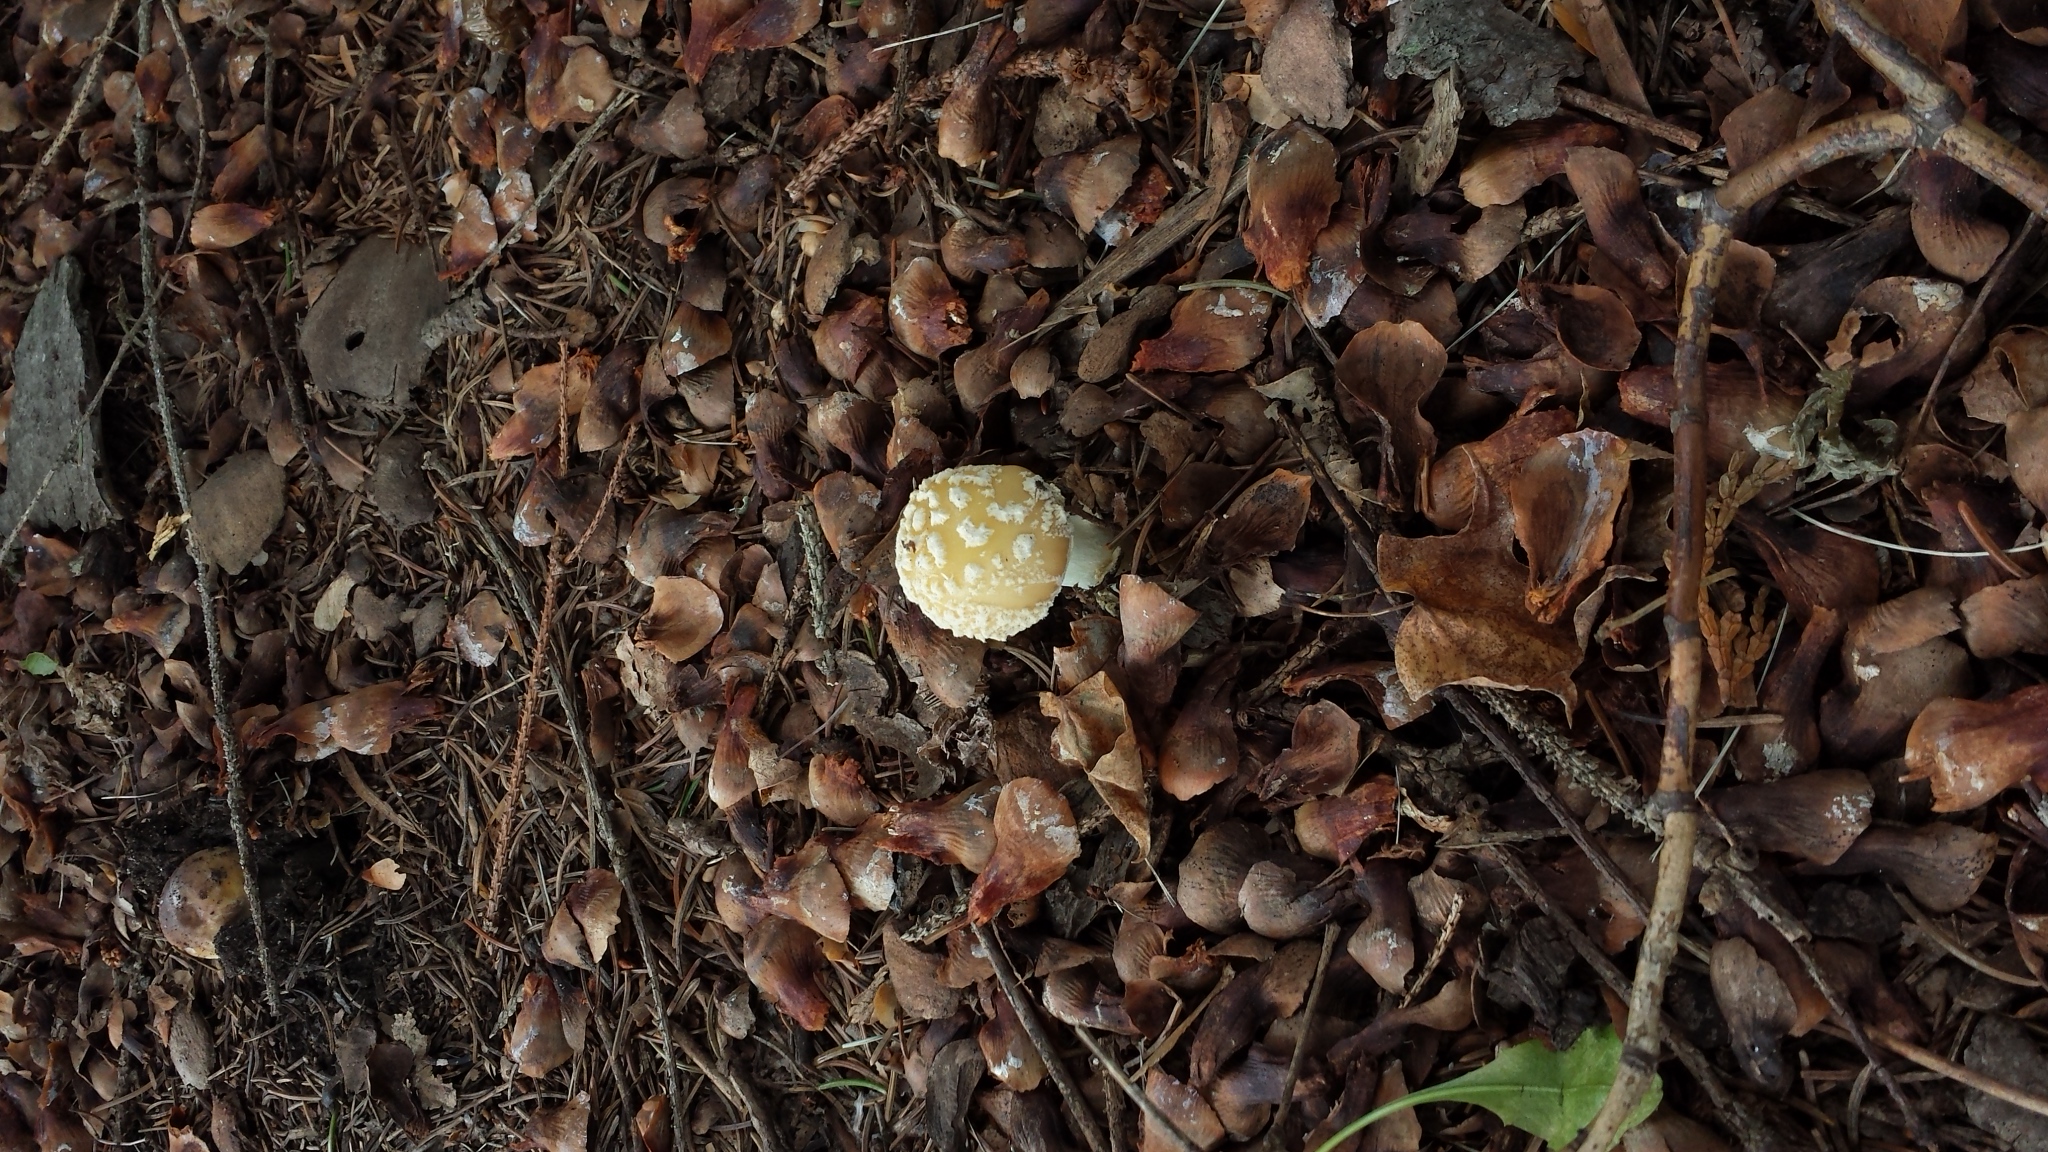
(982, 549)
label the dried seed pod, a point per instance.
(1815, 816)
(1084, 184)
(969, 250)
(839, 791)
(1757, 1006)
(1384, 945)
(1605, 182)
(967, 122)
(1011, 1056)
(1279, 905)
(203, 894)
(785, 960)
(1035, 841)
(1213, 872)
(806, 886)
(1941, 864)
(1292, 187)
(925, 312)
(955, 830)
(1971, 750)
(1334, 827)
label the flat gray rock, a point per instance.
(52, 444)
(397, 485)
(365, 333)
(237, 509)
(2001, 1049)
(1506, 65)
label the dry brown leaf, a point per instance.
(474, 231)
(1265, 520)
(806, 886)
(1470, 623)
(385, 874)
(1971, 750)
(548, 394)
(1092, 731)
(1292, 187)
(1153, 624)
(1213, 330)
(1035, 840)
(1384, 375)
(1190, 1114)
(363, 722)
(683, 617)
(958, 829)
(538, 1042)
(925, 311)
(481, 630)
(219, 227)
(1320, 760)
(1565, 501)
(1083, 185)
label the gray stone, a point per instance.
(237, 509)
(53, 443)
(366, 333)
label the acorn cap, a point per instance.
(983, 549)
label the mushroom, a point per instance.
(203, 895)
(984, 548)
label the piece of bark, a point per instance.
(51, 434)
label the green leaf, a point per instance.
(38, 664)
(1531, 1086)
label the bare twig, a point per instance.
(1967, 1077)
(1027, 1015)
(1271, 1140)
(1153, 1112)
(227, 738)
(1629, 117)
(82, 98)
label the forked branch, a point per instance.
(1934, 118)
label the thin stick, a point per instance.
(601, 810)
(1967, 1077)
(1027, 1015)
(1695, 1061)
(227, 739)
(1153, 1112)
(1615, 65)
(738, 1089)
(1629, 117)
(88, 89)
(1308, 1020)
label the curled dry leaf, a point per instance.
(1035, 841)
(1384, 375)
(1940, 864)
(1213, 330)
(1605, 182)
(1515, 159)
(1012, 1058)
(1199, 750)
(1384, 945)
(219, 227)
(684, 616)
(1954, 238)
(1291, 188)
(362, 721)
(959, 829)
(925, 312)
(693, 339)
(562, 1129)
(1280, 905)
(786, 961)
(1320, 760)
(1334, 827)
(1092, 731)
(1971, 750)
(806, 886)
(481, 630)
(1565, 500)
(1896, 330)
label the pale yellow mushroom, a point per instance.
(984, 549)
